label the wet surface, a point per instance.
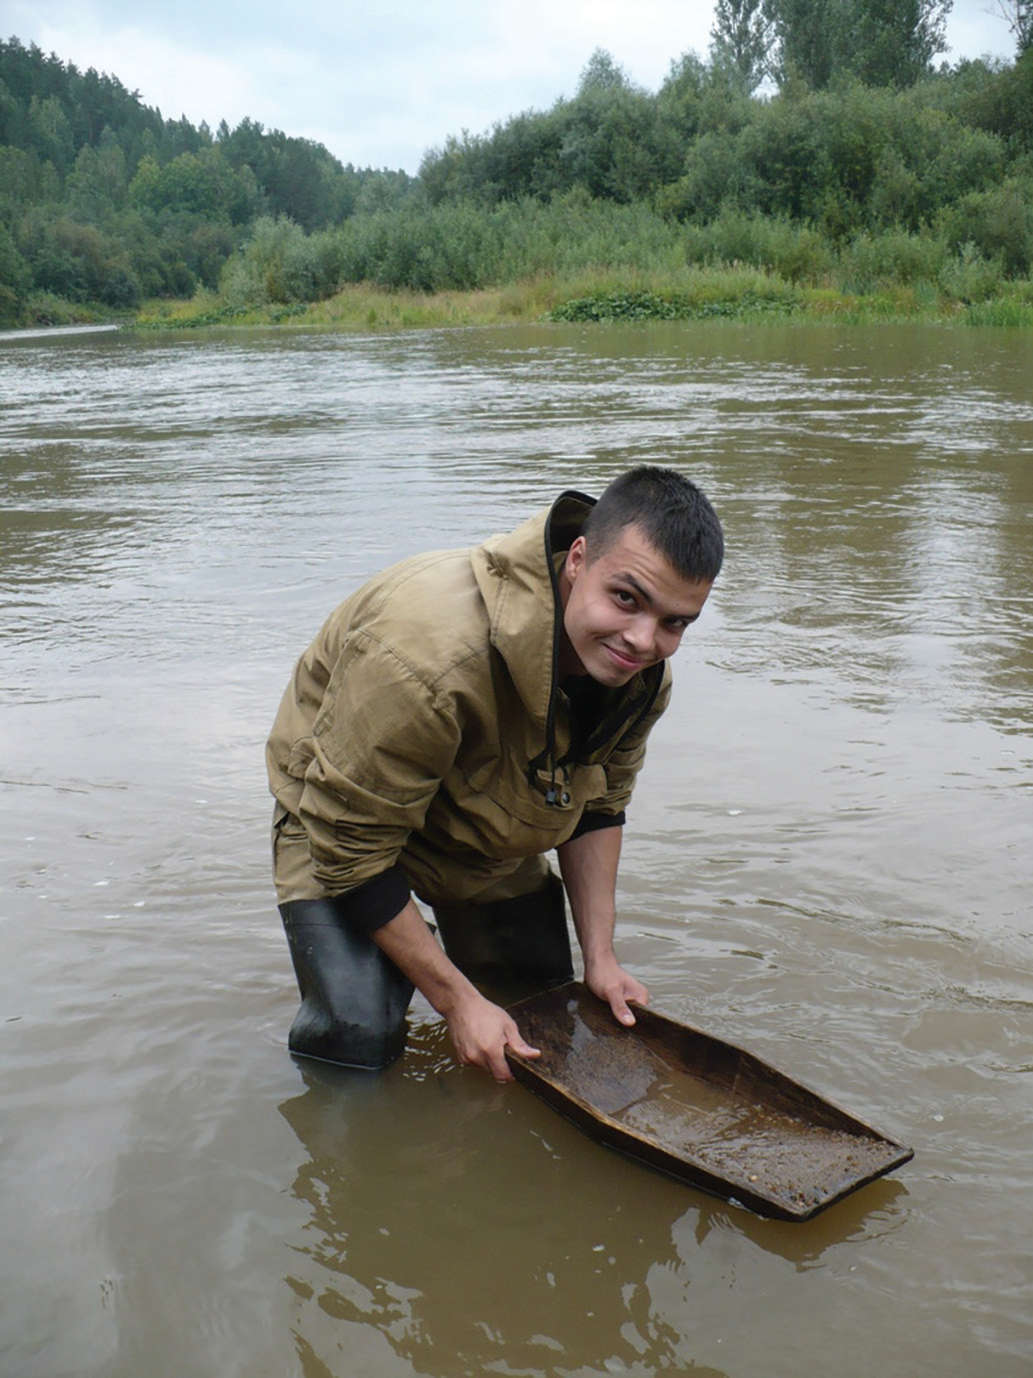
(827, 860)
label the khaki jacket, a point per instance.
(424, 729)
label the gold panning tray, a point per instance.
(696, 1107)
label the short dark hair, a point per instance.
(674, 515)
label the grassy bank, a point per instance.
(736, 293)
(585, 260)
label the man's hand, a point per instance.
(607, 979)
(481, 1032)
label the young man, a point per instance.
(456, 719)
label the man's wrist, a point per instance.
(598, 956)
(450, 992)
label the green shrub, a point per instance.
(716, 176)
(731, 295)
(795, 252)
(626, 306)
(871, 261)
(80, 263)
(15, 279)
(1005, 312)
(281, 264)
(970, 277)
(464, 246)
(10, 306)
(999, 223)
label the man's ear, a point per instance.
(576, 558)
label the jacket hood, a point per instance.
(516, 575)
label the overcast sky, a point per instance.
(381, 82)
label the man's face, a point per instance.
(625, 610)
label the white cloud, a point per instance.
(974, 30)
(176, 79)
(379, 85)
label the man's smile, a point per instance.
(625, 659)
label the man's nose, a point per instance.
(641, 633)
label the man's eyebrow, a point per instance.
(650, 601)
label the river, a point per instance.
(829, 858)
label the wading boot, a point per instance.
(353, 998)
(520, 943)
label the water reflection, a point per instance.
(484, 1269)
(481, 1270)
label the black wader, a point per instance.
(354, 999)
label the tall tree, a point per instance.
(741, 40)
(602, 73)
(895, 41)
(884, 42)
(1018, 15)
(810, 39)
(611, 139)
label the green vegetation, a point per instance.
(103, 202)
(867, 186)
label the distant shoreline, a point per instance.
(733, 295)
(743, 295)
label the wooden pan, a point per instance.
(696, 1107)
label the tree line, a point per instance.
(813, 132)
(104, 200)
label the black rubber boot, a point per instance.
(516, 941)
(353, 998)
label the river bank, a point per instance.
(736, 293)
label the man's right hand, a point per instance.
(481, 1032)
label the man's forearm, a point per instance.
(412, 947)
(481, 1031)
(588, 865)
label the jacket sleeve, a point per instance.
(381, 744)
(626, 761)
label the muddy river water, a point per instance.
(829, 859)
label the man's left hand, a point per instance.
(612, 983)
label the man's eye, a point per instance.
(625, 598)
